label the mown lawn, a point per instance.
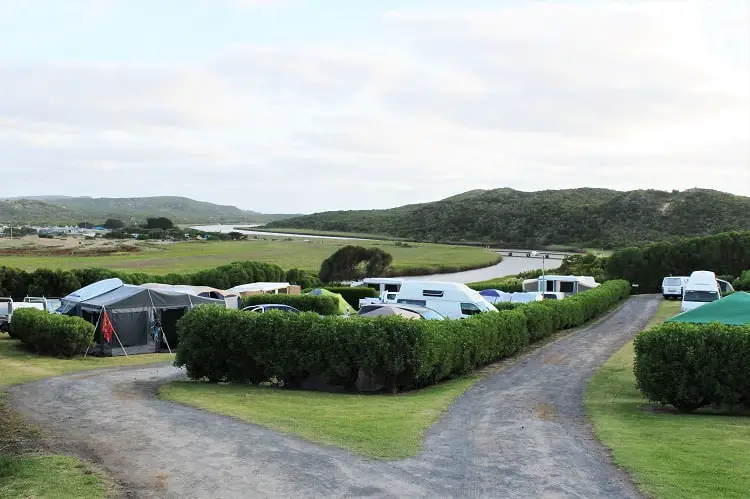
(25, 471)
(287, 253)
(670, 455)
(379, 426)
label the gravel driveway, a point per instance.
(519, 433)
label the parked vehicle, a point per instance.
(700, 289)
(566, 284)
(672, 287)
(261, 309)
(387, 288)
(451, 300)
(6, 309)
(526, 297)
(424, 312)
(725, 286)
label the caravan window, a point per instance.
(437, 293)
(420, 303)
(470, 309)
(567, 287)
(392, 288)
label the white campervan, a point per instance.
(701, 288)
(387, 288)
(450, 299)
(672, 287)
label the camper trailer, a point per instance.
(450, 299)
(565, 284)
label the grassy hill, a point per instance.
(581, 217)
(62, 209)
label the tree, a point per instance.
(113, 224)
(345, 264)
(159, 223)
(86, 225)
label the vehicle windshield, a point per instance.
(701, 296)
(673, 281)
(430, 314)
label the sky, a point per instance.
(311, 105)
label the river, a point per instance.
(510, 265)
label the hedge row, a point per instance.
(507, 284)
(353, 295)
(323, 305)
(228, 345)
(44, 282)
(742, 283)
(51, 334)
(690, 366)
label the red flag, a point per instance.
(107, 329)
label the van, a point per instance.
(700, 289)
(449, 299)
(672, 287)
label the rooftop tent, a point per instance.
(734, 310)
(344, 307)
(87, 292)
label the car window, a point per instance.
(419, 303)
(470, 309)
(701, 296)
(430, 314)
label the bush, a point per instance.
(353, 295)
(51, 334)
(229, 345)
(690, 366)
(323, 305)
(507, 284)
(742, 283)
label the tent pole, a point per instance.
(117, 337)
(96, 326)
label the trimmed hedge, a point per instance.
(690, 366)
(508, 284)
(323, 305)
(229, 345)
(51, 334)
(353, 295)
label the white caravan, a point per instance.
(450, 299)
(700, 289)
(672, 287)
(387, 288)
(566, 284)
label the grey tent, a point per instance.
(132, 311)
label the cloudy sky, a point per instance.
(309, 105)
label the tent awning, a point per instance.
(734, 310)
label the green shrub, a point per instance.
(229, 345)
(506, 305)
(742, 283)
(690, 366)
(51, 334)
(507, 284)
(353, 295)
(323, 305)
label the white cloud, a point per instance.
(532, 96)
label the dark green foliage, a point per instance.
(742, 283)
(86, 225)
(727, 253)
(229, 345)
(345, 264)
(586, 217)
(323, 305)
(51, 334)
(588, 264)
(302, 279)
(18, 283)
(690, 366)
(507, 305)
(159, 223)
(113, 223)
(507, 284)
(353, 295)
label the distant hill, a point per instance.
(63, 209)
(576, 217)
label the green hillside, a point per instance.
(582, 217)
(61, 209)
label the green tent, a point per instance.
(343, 305)
(734, 310)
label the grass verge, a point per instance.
(670, 455)
(380, 426)
(25, 471)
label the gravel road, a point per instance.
(518, 433)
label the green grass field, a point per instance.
(670, 455)
(380, 426)
(194, 256)
(24, 470)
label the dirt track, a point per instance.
(519, 433)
